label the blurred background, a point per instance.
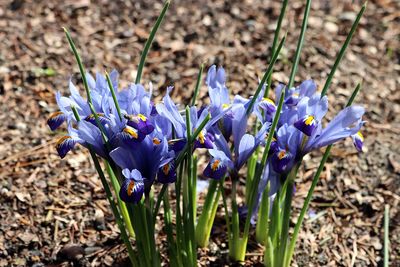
(54, 212)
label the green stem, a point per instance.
(263, 217)
(172, 253)
(150, 41)
(285, 221)
(275, 41)
(79, 61)
(124, 211)
(158, 203)
(198, 84)
(269, 254)
(266, 74)
(300, 43)
(207, 216)
(251, 168)
(112, 89)
(343, 50)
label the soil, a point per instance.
(54, 212)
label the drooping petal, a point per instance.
(131, 191)
(204, 140)
(215, 169)
(167, 173)
(141, 123)
(64, 145)
(131, 136)
(306, 124)
(56, 119)
(281, 161)
(358, 141)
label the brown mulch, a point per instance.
(54, 212)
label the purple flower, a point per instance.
(132, 188)
(167, 173)
(67, 143)
(310, 113)
(346, 123)
(147, 157)
(218, 165)
(56, 119)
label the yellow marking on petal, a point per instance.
(156, 141)
(266, 99)
(142, 117)
(55, 114)
(201, 138)
(360, 136)
(296, 94)
(62, 140)
(166, 168)
(215, 165)
(309, 120)
(224, 106)
(273, 138)
(129, 189)
(281, 154)
(91, 116)
(131, 132)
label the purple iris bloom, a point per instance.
(346, 123)
(167, 173)
(310, 113)
(67, 143)
(170, 111)
(287, 146)
(295, 94)
(219, 98)
(244, 144)
(148, 156)
(132, 188)
(218, 165)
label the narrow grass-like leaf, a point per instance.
(300, 44)
(266, 74)
(158, 203)
(79, 61)
(343, 50)
(275, 42)
(112, 89)
(150, 41)
(198, 84)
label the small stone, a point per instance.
(71, 253)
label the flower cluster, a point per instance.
(300, 129)
(144, 139)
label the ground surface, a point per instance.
(47, 204)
